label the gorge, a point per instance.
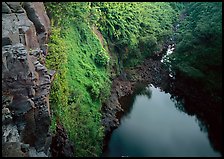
(98, 79)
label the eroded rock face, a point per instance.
(41, 22)
(25, 80)
(120, 87)
(61, 146)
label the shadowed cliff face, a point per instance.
(25, 79)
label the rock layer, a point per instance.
(25, 80)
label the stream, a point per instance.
(155, 124)
(152, 126)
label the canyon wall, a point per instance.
(25, 80)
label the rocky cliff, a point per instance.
(25, 80)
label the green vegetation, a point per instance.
(132, 32)
(136, 30)
(102, 58)
(57, 60)
(82, 79)
(198, 53)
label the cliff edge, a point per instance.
(25, 80)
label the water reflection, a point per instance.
(179, 104)
(152, 126)
(197, 102)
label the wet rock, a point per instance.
(112, 106)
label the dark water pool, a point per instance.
(153, 126)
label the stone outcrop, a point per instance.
(61, 146)
(120, 87)
(25, 80)
(150, 71)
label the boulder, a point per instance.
(37, 14)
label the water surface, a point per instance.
(154, 127)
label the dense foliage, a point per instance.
(136, 30)
(57, 60)
(133, 31)
(82, 80)
(198, 53)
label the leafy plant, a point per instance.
(76, 94)
(101, 58)
(199, 45)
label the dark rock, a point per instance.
(25, 83)
(6, 41)
(5, 8)
(37, 14)
(61, 146)
(27, 31)
(6, 116)
(12, 149)
(25, 147)
(52, 74)
(10, 133)
(112, 106)
(15, 7)
(10, 33)
(12, 23)
(42, 124)
(34, 153)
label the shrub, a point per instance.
(102, 58)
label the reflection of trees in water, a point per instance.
(182, 107)
(208, 120)
(143, 89)
(189, 98)
(179, 103)
(127, 102)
